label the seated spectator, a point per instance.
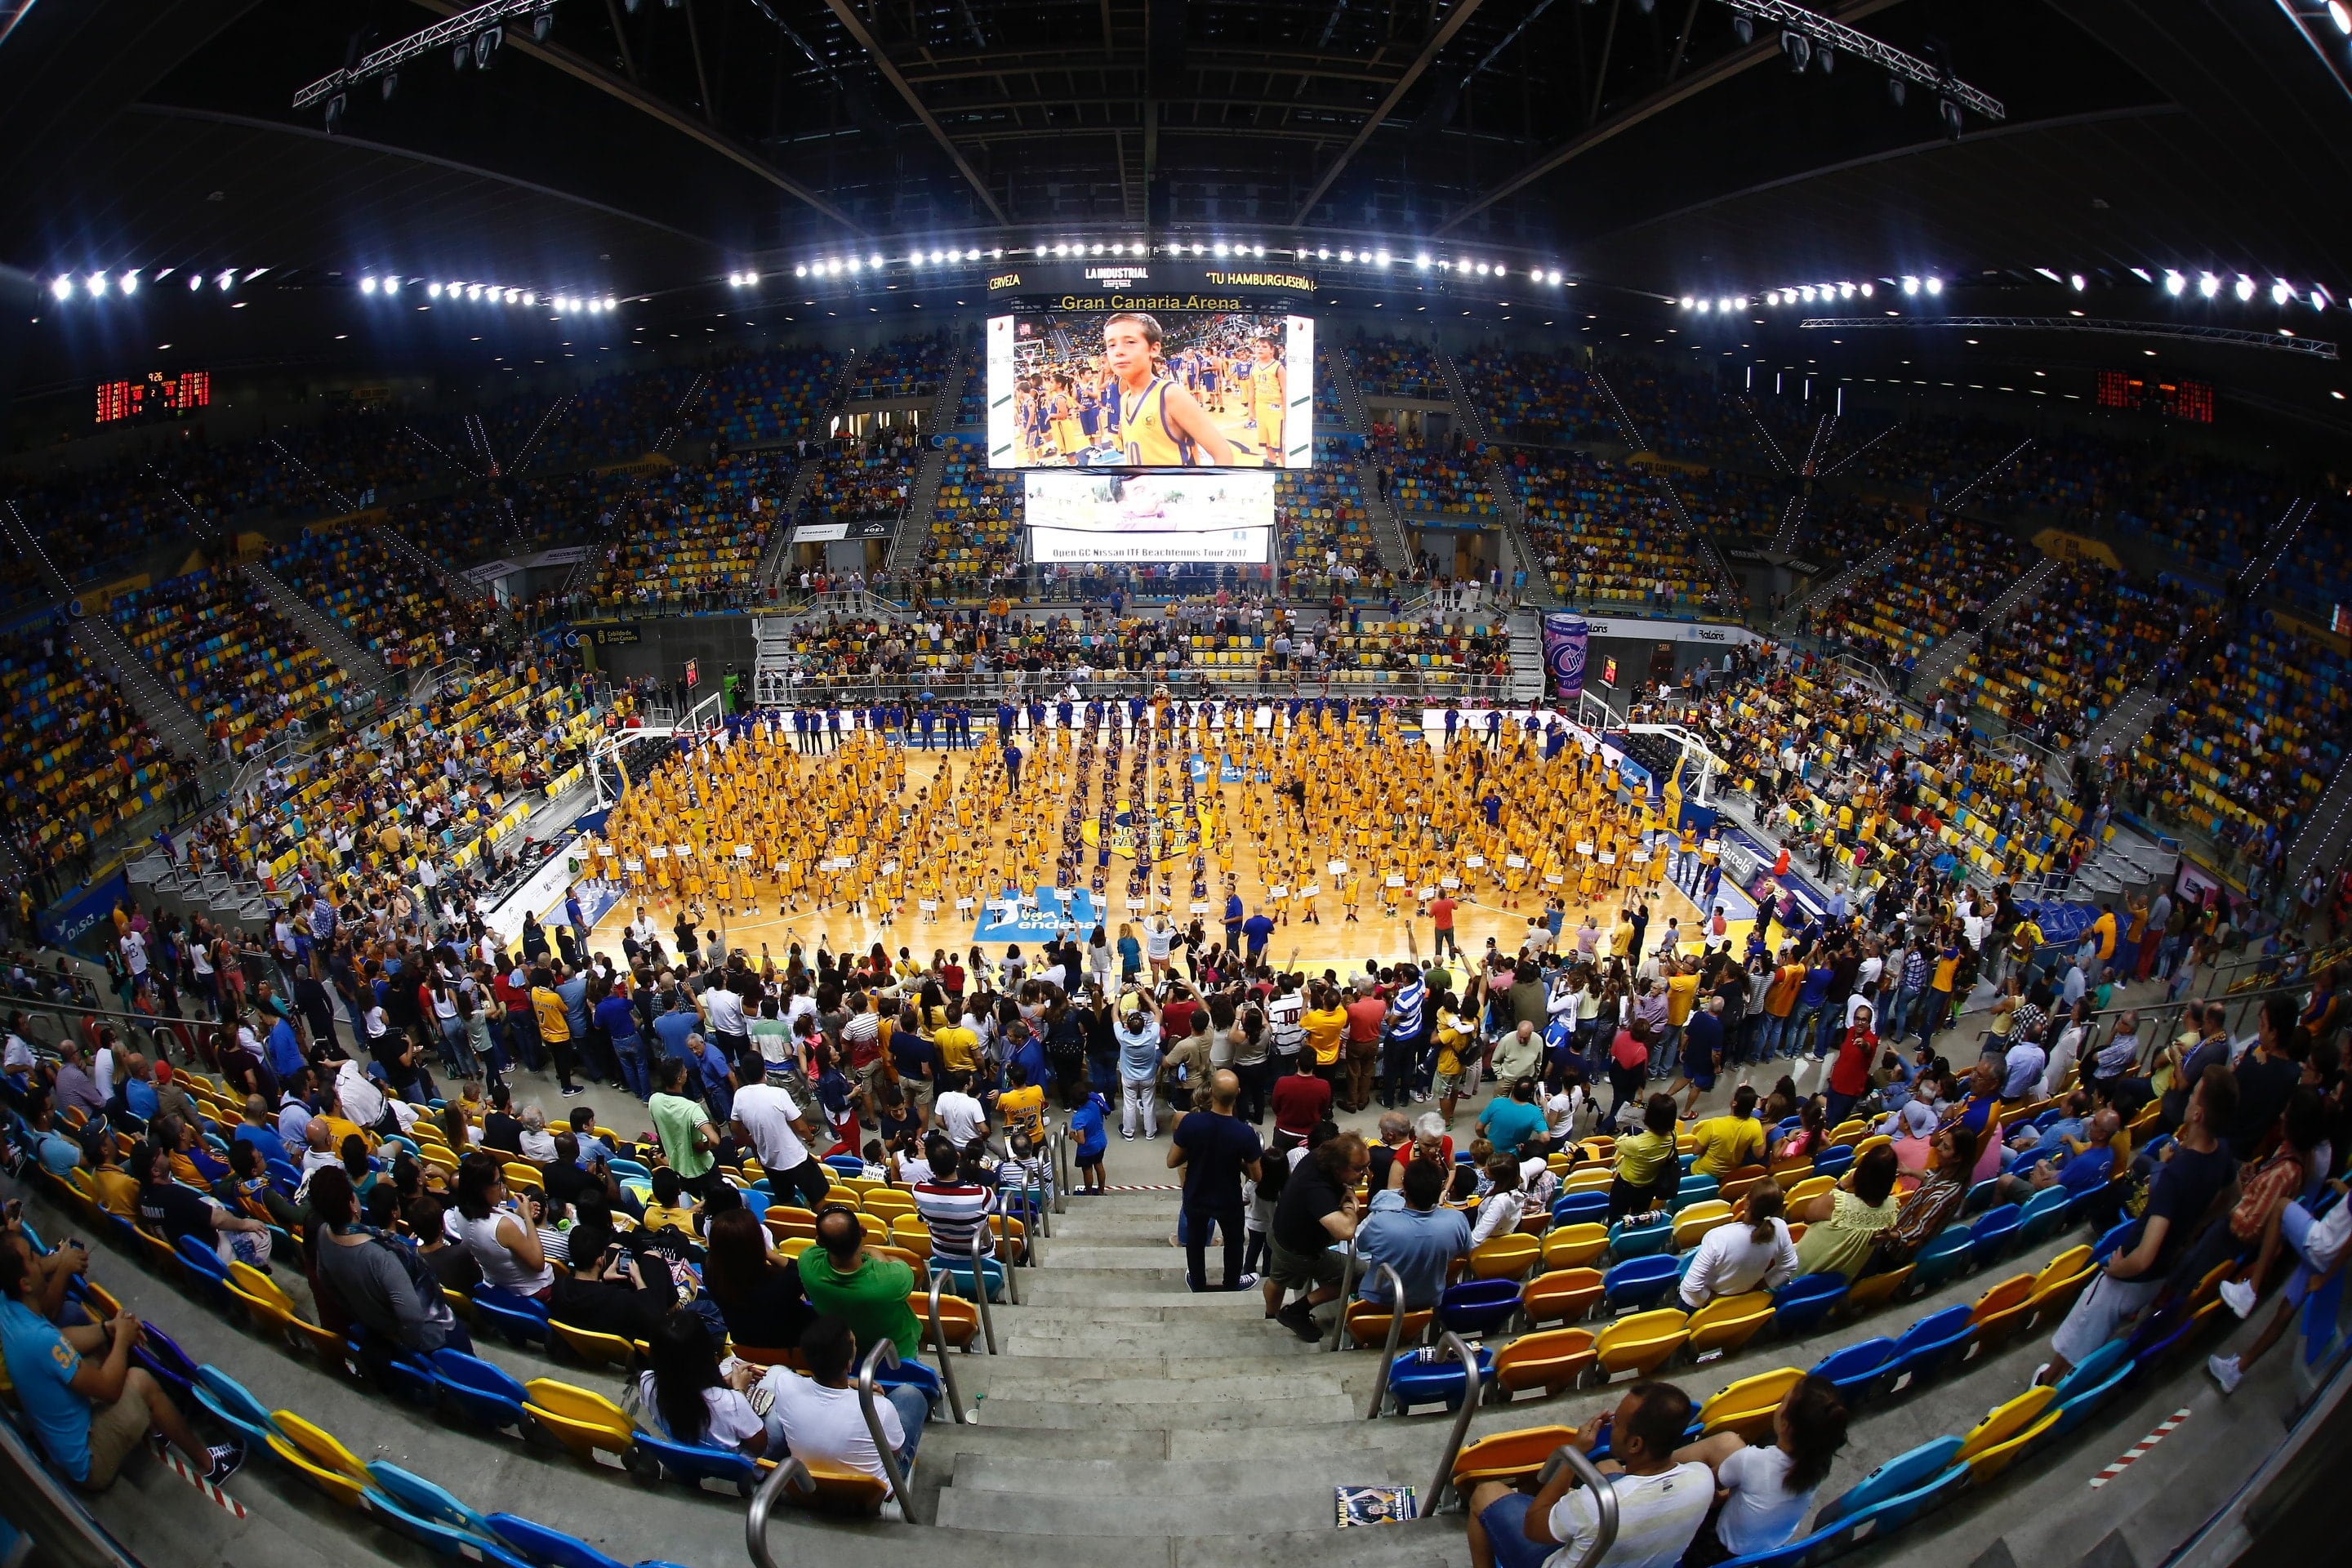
(606, 1287)
(452, 1264)
(1932, 1206)
(90, 1415)
(1406, 1230)
(841, 1279)
(1727, 1142)
(1662, 1500)
(2083, 1161)
(1318, 1207)
(173, 1211)
(821, 1416)
(1753, 1254)
(671, 1208)
(1766, 1491)
(1649, 1170)
(955, 1208)
(760, 1297)
(1842, 1224)
(1513, 1123)
(2195, 1172)
(397, 1298)
(494, 1228)
(690, 1400)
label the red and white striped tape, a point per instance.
(1144, 1187)
(188, 1473)
(2163, 1429)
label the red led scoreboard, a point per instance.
(2191, 400)
(157, 396)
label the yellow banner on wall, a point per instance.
(2067, 546)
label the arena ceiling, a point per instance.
(652, 147)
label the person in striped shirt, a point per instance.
(1400, 1033)
(955, 1206)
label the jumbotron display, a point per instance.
(1084, 519)
(1143, 389)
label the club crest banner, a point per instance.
(1564, 639)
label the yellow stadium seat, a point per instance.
(2005, 1422)
(1508, 1457)
(1562, 1294)
(585, 1422)
(1748, 1406)
(1728, 1322)
(2001, 1311)
(1641, 1342)
(1574, 1246)
(1875, 1290)
(1552, 1360)
(1368, 1326)
(836, 1488)
(1697, 1220)
(1506, 1258)
(319, 1458)
(595, 1348)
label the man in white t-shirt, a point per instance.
(960, 1116)
(780, 1135)
(1659, 1504)
(820, 1413)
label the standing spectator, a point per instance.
(1215, 1149)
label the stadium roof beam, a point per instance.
(2237, 337)
(1704, 77)
(855, 28)
(1455, 20)
(686, 125)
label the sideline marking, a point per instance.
(2163, 1429)
(188, 1473)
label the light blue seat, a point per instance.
(2043, 1215)
(1991, 1233)
(1944, 1260)
(236, 1405)
(1628, 1240)
(1860, 1372)
(1900, 1478)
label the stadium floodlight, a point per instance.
(227, 280)
(1704, 306)
(1347, 255)
(96, 284)
(529, 297)
(367, 285)
(2318, 300)
(1867, 290)
(875, 261)
(1910, 284)
(1688, 303)
(2244, 287)
(195, 281)
(392, 285)
(2342, 17)
(2281, 292)
(62, 287)
(1322, 253)
(2174, 282)
(129, 282)
(2208, 285)
(1257, 250)
(1380, 258)
(2076, 281)
(1097, 249)
(1808, 292)
(1845, 290)
(514, 296)
(473, 290)
(1220, 248)
(1934, 285)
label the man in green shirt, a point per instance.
(869, 1293)
(688, 1139)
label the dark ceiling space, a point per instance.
(647, 150)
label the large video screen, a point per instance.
(1079, 519)
(1139, 389)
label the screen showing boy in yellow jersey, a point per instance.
(1161, 425)
(1134, 389)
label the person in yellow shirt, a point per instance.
(1727, 1142)
(1681, 991)
(1023, 1103)
(958, 1047)
(1325, 1025)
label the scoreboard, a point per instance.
(155, 397)
(2189, 400)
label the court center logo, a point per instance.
(1152, 835)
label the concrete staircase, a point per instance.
(1869, 565)
(361, 669)
(2124, 725)
(772, 560)
(459, 586)
(1518, 554)
(2326, 833)
(914, 528)
(1528, 676)
(1936, 665)
(161, 710)
(1353, 414)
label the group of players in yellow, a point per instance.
(1319, 808)
(1138, 404)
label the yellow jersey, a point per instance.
(1143, 423)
